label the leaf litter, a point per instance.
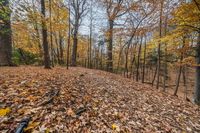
(83, 100)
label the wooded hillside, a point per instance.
(145, 54)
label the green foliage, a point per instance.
(4, 17)
(21, 57)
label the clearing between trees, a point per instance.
(83, 100)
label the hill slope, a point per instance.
(84, 100)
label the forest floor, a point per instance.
(83, 100)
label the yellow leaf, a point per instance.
(5, 111)
(31, 126)
(115, 127)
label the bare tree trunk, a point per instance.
(69, 37)
(51, 30)
(180, 70)
(74, 49)
(61, 49)
(178, 81)
(90, 40)
(197, 81)
(57, 49)
(154, 76)
(144, 62)
(110, 47)
(44, 35)
(120, 54)
(138, 60)
(159, 48)
(165, 57)
(126, 62)
(185, 81)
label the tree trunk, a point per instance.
(110, 46)
(165, 56)
(61, 48)
(180, 70)
(74, 50)
(44, 35)
(51, 30)
(138, 60)
(178, 80)
(144, 62)
(69, 37)
(159, 47)
(185, 81)
(154, 75)
(197, 81)
(5, 38)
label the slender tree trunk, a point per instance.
(159, 47)
(165, 57)
(51, 30)
(110, 47)
(120, 54)
(144, 62)
(178, 81)
(61, 48)
(57, 49)
(74, 49)
(154, 75)
(90, 40)
(69, 37)
(180, 70)
(44, 35)
(126, 62)
(197, 81)
(138, 60)
(185, 81)
(6, 38)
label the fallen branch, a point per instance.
(53, 95)
(80, 111)
(23, 124)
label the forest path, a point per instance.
(89, 101)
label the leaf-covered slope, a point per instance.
(84, 100)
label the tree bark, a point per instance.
(159, 47)
(44, 39)
(61, 49)
(110, 46)
(5, 38)
(178, 80)
(197, 81)
(180, 70)
(51, 30)
(69, 37)
(74, 49)
(138, 60)
(144, 62)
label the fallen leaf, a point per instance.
(116, 127)
(31, 126)
(70, 112)
(5, 111)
